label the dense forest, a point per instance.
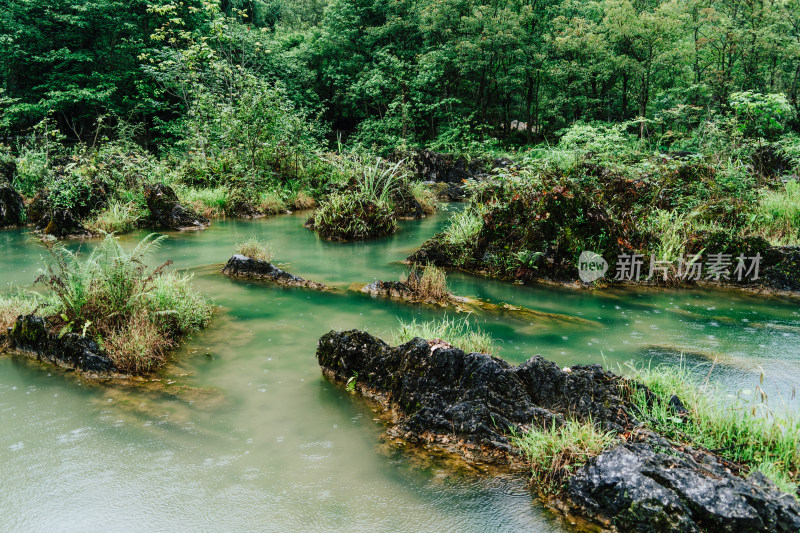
(448, 74)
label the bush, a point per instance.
(349, 216)
(762, 115)
(778, 215)
(463, 228)
(135, 314)
(458, 333)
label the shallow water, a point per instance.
(243, 433)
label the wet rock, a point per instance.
(390, 289)
(240, 266)
(637, 488)
(12, 208)
(445, 168)
(30, 335)
(167, 211)
(405, 205)
(61, 223)
(445, 392)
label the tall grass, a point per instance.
(117, 218)
(556, 451)
(14, 305)
(744, 431)
(270, 202)
(463, 228)
(210, 202)
(351, 216)
(778, 215)
(134, 312)
(458, 333)
(429, 283)
(255, 248)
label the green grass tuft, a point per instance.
(459, 333)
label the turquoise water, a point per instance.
(244, 434)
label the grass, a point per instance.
(271, 202)
(554, 452)
(743, 431)
(302, 200)
(12, 306)
(458, 333)
(135, 313)
(210, 202)
(778, 215)
(424, 195)
(255, 248)
(463, 228)
(428, 284)
(117, 218)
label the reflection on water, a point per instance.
(243, 434)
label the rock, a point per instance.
(37, 208)
(636, 488)
(61, 223)
(240, 266)
(12, 208)
(405, 205)
(782, 268)
(443, 391)
(390, 289)
(444, 168)
(8, 169)
(167, 211)
(30, 335)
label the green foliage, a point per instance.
(255, 248)
(556, 451)
(744, 430)
(458, 333)
(762, 115)
(352, 216)
(111, 295)
(116, 218)
(463, 227)
(778, 215)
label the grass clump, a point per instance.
(744, 431)
(778, 215)
(428, 283)
(458, 333)
(271, 202)
(117, 218)
(255, 248)
(210, 202)
(135, 314)
(12, 306)
(558, 450)
(353, 216)
(463, 228)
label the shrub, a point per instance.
(463, 227)
(255, 248)
(347, 216)
(555, 451)
(762, 115)
(458, 333)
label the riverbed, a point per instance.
(242, 433)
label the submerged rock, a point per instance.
(442, 392)
(167, 211)
(637, 488)
(12, 208)
(240, 266)
(30, 335)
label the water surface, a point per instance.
(243, 433)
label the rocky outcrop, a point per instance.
(166, 211)
(61, 223)
(390, 289)
(471, 403)
(782, 270)
(440, 391)
(240, 266)
(30, 335)
(636, 488)
(446, 168)
(12, 208)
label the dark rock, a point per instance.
(677, 406)
(240, 266)
(433, 166)
(31, 335)
(390, 289)
(12, 208)
(443, 391)
(770, 162)
(435, 252)
(37, 208)
(782, 268)
(167, 211)
(61, 223)
(636, 488)
(8, 169)
(405, 205)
